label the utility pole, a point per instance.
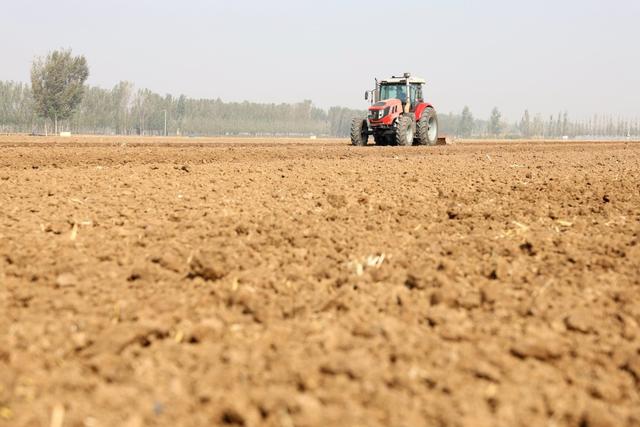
(165, 122)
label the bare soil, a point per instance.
(286, 283)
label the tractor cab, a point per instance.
(396, 88)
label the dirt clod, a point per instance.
(541, 348)
(337, 200)
(579, 321)
(209, 265)
(66, 280)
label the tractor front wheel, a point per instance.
(427, 128)
(359, 132)
(405, 130)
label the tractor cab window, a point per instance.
(394, 92)
(414, 95)
(418, 89)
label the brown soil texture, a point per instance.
(287, 283)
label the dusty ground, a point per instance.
(277, 283)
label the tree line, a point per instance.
(58, 99)
(537, 126)
(124, 110)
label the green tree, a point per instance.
(57, 83)
(16, 107)
(465, 128)
(121, 106)
(538, 126)
(181, 112)
(525, 125)
(495, 122)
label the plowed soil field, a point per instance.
(190, 282)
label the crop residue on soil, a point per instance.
(290, 284)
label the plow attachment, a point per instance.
(446, 140)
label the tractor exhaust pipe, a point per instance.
(376, 92)
(407, 106)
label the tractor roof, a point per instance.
(403, 80)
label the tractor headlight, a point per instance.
(378, 114)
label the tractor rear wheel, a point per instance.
(405, 130)
(359, 132)
(427, 127)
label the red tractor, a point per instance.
(398, 115)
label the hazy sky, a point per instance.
(548, 56)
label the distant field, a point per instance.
(297, 282)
